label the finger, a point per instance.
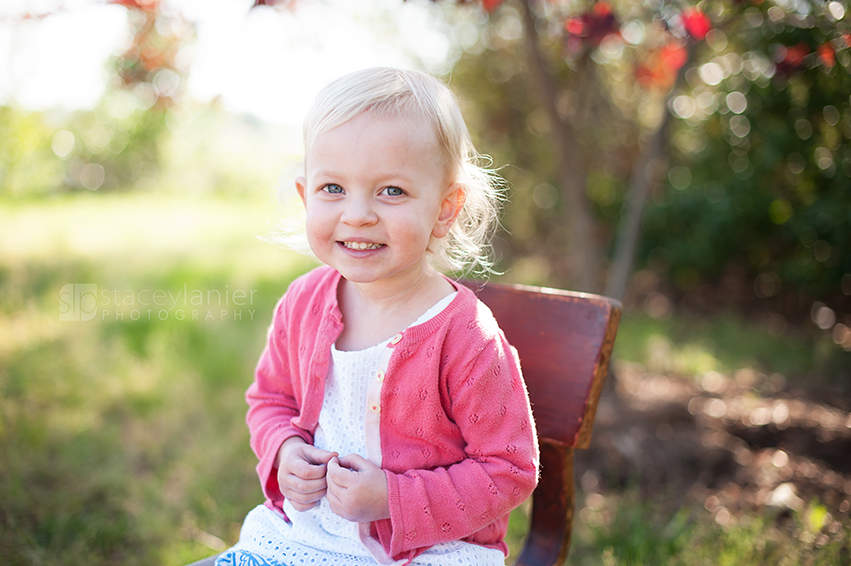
(316, 455)
(295, 485)
(305, 497)
(307, 471)
(303, 503)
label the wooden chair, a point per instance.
(565, 343)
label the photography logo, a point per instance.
(78, 301)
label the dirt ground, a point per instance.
(713, 440)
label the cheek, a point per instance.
(317, 226)
(418, 232)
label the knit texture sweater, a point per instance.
(458, 443)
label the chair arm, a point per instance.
(548, 541)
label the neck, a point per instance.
(383, 295)
(374, 312)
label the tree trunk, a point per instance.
(630, 225)
(585, 252)
(629, 229)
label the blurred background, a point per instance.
(691, 159)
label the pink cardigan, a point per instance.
(458, 443)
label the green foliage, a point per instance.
(767, 173)
(115, 146)
(27, 164)
(749, 202)
(118, 145)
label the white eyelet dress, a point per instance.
(319, 536)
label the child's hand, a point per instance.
(301, 472)
(357, 489)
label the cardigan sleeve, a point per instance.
(468, 499)
(273, 403)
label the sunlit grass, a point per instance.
(726, 343)
(122, 232)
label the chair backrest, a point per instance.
(565, 341)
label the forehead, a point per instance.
(401, 138)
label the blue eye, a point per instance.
(394, 191)
(333, 189)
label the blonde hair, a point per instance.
(416, 96)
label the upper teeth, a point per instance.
(361, 246)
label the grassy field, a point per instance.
(122, 432)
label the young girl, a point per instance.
(388, 411)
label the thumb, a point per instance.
(354, 462)
(338, 474)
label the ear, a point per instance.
(300, 185)
(450, 207)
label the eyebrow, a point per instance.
(383, 177)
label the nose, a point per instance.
(359, 210)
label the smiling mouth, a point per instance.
(361, 246)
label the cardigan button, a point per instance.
(396, 339)
(375, 408)
(380, 377)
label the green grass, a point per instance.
(123, 441)
(623, 530)
(726, 343)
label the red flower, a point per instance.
(673, 56)
(795, 55)
(826, 54)
(491, 5)
(697, 23)
(575, 26)
(593, 26)
(601, 9)
(791, 59)
(658, 71)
